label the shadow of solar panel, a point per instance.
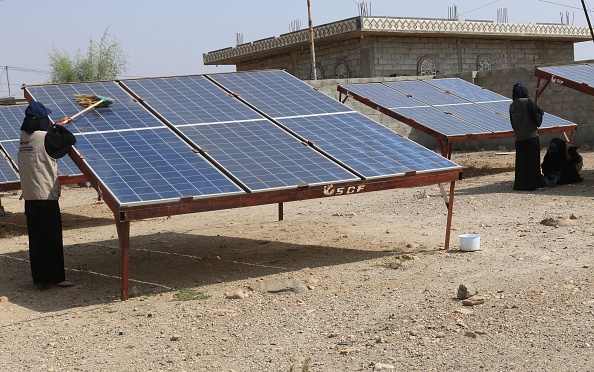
(11, 118)
(263, 156)
(424, 92)
(190, 100)
(480, 116)
(577, 73)
(383, 95)
(66, 166)
(124, 113)
(440, 121)
(279, 94)
(7, 172)
(466, 90)
(366, 146)
(151, 166)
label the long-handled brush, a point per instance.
(92, 101)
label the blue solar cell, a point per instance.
(466, 90)
(66, 166)
(11, 118)
(550, 121)
(366, 146)
(383, 95)
(480, 116)
(279, 94)
(150, 166)
(424, 92)
(441, 122)
(576, 73)
(7, 172)
(264, 156)
(124, 113)
(190, 100)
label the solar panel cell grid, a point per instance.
(65, 165)
(279, 94)
(150, 165)
(441, 122)
(577, 73)
(7, 171)
(11, 118)
(123, 114)
(383, 95)
(366, 146)
(263, 156)
(466, 90)
(424, 92)
(190, 100)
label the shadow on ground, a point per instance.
(161, 263)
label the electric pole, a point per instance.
(311, 37)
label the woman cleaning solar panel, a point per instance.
(526, 117)
(41, 144)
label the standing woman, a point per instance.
(526, 117)
(42, 142)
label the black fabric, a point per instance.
(527, 169)
(46, 251)
(560, 164)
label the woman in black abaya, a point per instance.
(526, 117)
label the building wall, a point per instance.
(563, 102)
(402, 56)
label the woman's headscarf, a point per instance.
(519, 91)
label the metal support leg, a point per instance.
(123, 228)
(450, 205)
(280, 212)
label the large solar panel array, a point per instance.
(452, 107)
(227, 134)
(365, 146)
(11, 118)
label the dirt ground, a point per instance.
(354, 283)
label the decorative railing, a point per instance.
(401, 25)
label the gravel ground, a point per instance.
(356, 283)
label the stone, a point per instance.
(379, 367)
(465, 292)
(237, 295)
(473, 301)
(280, 285)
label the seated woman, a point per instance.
(561, 164)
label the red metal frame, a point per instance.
(445, 142)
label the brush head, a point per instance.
(90, 99)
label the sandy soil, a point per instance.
(357, 283)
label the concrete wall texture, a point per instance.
(566, 103)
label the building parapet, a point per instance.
(411, 26)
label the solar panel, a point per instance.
(11, 118)
(440, 121)
(383, 95)
(548, 120)
(366, 146)
(577, 73)
(424, 92)
(124, 113)
(151, 166)
(190, 100)
(279, 94)
(466, 90)
(7, 172)
(480, 116)
(66, 166)
(264, 156)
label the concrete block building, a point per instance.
(366, 47)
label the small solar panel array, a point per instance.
(449, 106)
(204, 135)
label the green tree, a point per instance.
(103, 61)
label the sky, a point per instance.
(165, 38)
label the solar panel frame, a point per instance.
(124, 113)
(189, 100)
(372, 150)
(265, 157)
(582, 74)
(269, 92)
(11, 119)
(425, 93)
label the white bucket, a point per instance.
(470, 242)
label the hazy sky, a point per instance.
(163, 38)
